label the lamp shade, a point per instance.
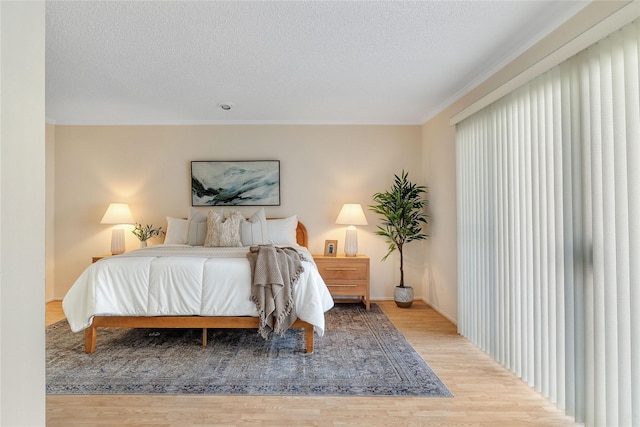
(118, 213)
(351, 214)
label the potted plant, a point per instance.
(402, 210)
(144, 233)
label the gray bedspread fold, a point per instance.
(274, 272)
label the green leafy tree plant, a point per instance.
(402, 210)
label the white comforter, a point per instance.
(175, 280)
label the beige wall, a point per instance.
(440, 281)
(148, 167)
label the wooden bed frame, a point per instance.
(204, 322)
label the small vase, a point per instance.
(143, 244)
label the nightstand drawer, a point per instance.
(343, 271)
(347, 289)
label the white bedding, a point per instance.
(180, 280)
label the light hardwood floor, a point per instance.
(485, 393)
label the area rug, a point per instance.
(361, 354)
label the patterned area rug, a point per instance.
(361, 354)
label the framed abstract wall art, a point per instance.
(233, 183)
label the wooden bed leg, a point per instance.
(308, 337)
(90, 335)
(204, 337)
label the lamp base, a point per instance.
(351, 241)
(117, 241)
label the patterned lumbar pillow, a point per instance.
(223, 232)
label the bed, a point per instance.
(185, 286)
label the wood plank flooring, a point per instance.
(485, 393)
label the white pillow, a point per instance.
(223, 232)
(176, 231)
(254, 230)
(197, 228)
(283, 231)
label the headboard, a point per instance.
(301, 235)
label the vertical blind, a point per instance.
(548, 185)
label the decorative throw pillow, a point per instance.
(197, 228)
(254, 230)
(176, 231)
(283, 231)
(223, 232)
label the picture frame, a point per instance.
(235, 183)
(330, 247)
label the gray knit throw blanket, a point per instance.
(274, 272)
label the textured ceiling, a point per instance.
(131, 62)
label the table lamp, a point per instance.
(351, 214)
(117, 214)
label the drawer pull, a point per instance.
(341, 269)
(342, 286)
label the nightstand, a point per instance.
(99, 257)
(345, 276)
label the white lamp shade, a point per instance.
(118, 213)
(352, 214)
